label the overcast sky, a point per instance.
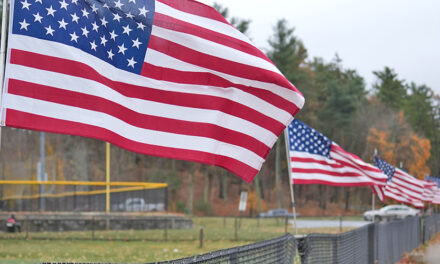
(366, 34)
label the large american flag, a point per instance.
(315, 159)
(169, 78)
(401, 186)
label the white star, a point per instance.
(118, 4)
(75, 2)
(140, 25)
(85, 13)
(122, 49)
(131, 62)
(64, 4)
(93, 45)
(103, 41)
(75, 18)
(104, 22)
(63, 24)
(39, 1)
(113, 35)
(85, 32)
(129, 15)
(49, 30)
(136, 43)
(127, 30)
(74, 37)
(51, 11)
(116, 17)
(134, 1)
(94, 9)
(110, 54)
(25, 4)
(24, 25)
(38, 17)
(106, 6)
(143, 11)
(95, 26)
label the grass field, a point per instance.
(140, 246)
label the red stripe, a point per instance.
(195, 8)
(408, 179)
(82, 70)
(209, 79)
(171, 23)
(30, 121)
(99, 104)
(218, 64)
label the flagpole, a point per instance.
(2, 59)
(372, 193)
(107, 177)
(292, 196)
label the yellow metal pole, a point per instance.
(107, 177)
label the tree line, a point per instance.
(398, 118)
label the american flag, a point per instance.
(315, 159)
(168, 78)
(401, 186)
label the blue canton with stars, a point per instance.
(306, 139)
(116, 32)
(385, 167)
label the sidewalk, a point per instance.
(432, 254)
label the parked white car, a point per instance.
(390, 212)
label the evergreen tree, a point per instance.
(389, 89)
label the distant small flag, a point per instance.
(159, 77)
(315, 159)
(401, 186)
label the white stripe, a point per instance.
(51, 48)
(330, 169)
(160, 59)
(377, 177)
(214, 49)
(328, 178)
(123, 129)
(207, 23)
(152, 108)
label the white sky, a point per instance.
(366, 34)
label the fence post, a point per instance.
(27, 227)
(166, 230)
(224, 221)
(93, 228)
(371, 240)
(235, 229)
(201, 237)
(286, 221)
(335, 250)
(340, 224)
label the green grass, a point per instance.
(140, 246)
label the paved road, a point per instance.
(328, 223)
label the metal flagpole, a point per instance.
(292, 196)
(372, 194)
(2, 59)
(107, 177)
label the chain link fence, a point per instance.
(277, 251)
(431, 226)
(394, 238)
(132, 199)
(374, 243)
